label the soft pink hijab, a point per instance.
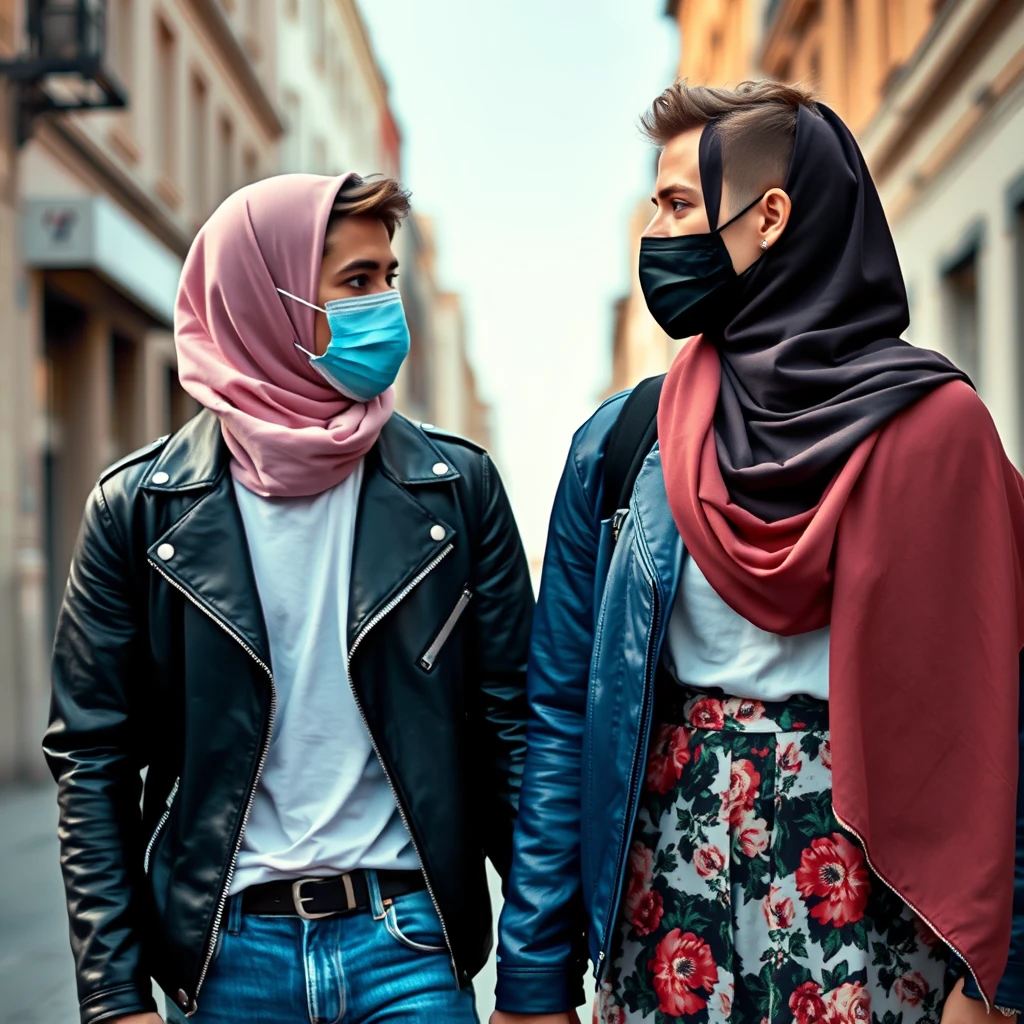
(289, 432)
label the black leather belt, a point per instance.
(313, 898)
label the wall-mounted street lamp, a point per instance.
(63, 68)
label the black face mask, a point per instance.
(689, 282)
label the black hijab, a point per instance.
(813, 361)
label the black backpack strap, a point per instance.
(629, 443)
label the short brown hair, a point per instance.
(756, 122)
(377, 196)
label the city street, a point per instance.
(37, 985)
(36, 978)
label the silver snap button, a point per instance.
(165, 552)
(440, 469)
(437, 532)
(427, 426)
(160, 478)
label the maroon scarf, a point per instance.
(915, 556)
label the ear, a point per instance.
(775, 208)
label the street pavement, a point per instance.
(37, 984)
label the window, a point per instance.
(121, 28)
(293, 133)
(127, 394)
(166, 109)
(7, 22)
(850, 43)
(960, 298)
(226, 157)
(200, 159)
(181, 407)
(318, 32)
(250, 165)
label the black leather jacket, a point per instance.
(161, 663)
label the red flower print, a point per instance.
(798, 726)
(606, 1010)
(682, 966)
(669, 752)
(743, 709)
(834, 870)
(725, 999)
(826, 754)
(778, 911)
(849, 1004)
(912, 989)
(789, 758)
(744, 779)
(707, 713)
(753, 835)
(638, 876)
(648, 913)
(925, 934)
(806, 1004)
(708, 861)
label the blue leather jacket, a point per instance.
(597, 638)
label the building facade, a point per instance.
(333, 95)
(935, 94)
(438, 383)
(97, 212)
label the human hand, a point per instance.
(961, 1009)
(569, 1017)
(139, 1018)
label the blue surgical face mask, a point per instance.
(369, 343)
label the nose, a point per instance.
(658, 227)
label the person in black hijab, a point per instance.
(809, 334)
(677, 806)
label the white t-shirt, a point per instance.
(709, 645)
(323, 804)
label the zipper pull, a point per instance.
(617, 520)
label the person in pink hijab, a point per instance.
(305, 620)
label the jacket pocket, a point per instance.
(429, 656)
(151, 845)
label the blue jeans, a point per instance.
(387, 964)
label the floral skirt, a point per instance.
(745, 901)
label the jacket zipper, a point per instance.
(160, 824)
(645, 711)
(267, 735)
(428, 659)
(860, 839)
(617, 520)
(385, 611)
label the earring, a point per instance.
(764, 243)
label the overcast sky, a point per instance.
(520, 139)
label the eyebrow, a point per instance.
(366, 265)
(669, 190)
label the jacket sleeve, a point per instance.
(1010, 993)
(93, 747)
(502, 610)
(542, 951)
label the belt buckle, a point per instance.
(298, 899)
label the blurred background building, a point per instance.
(98, 207)
(934, 90)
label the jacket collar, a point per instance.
(195, 457)
(196, 461)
